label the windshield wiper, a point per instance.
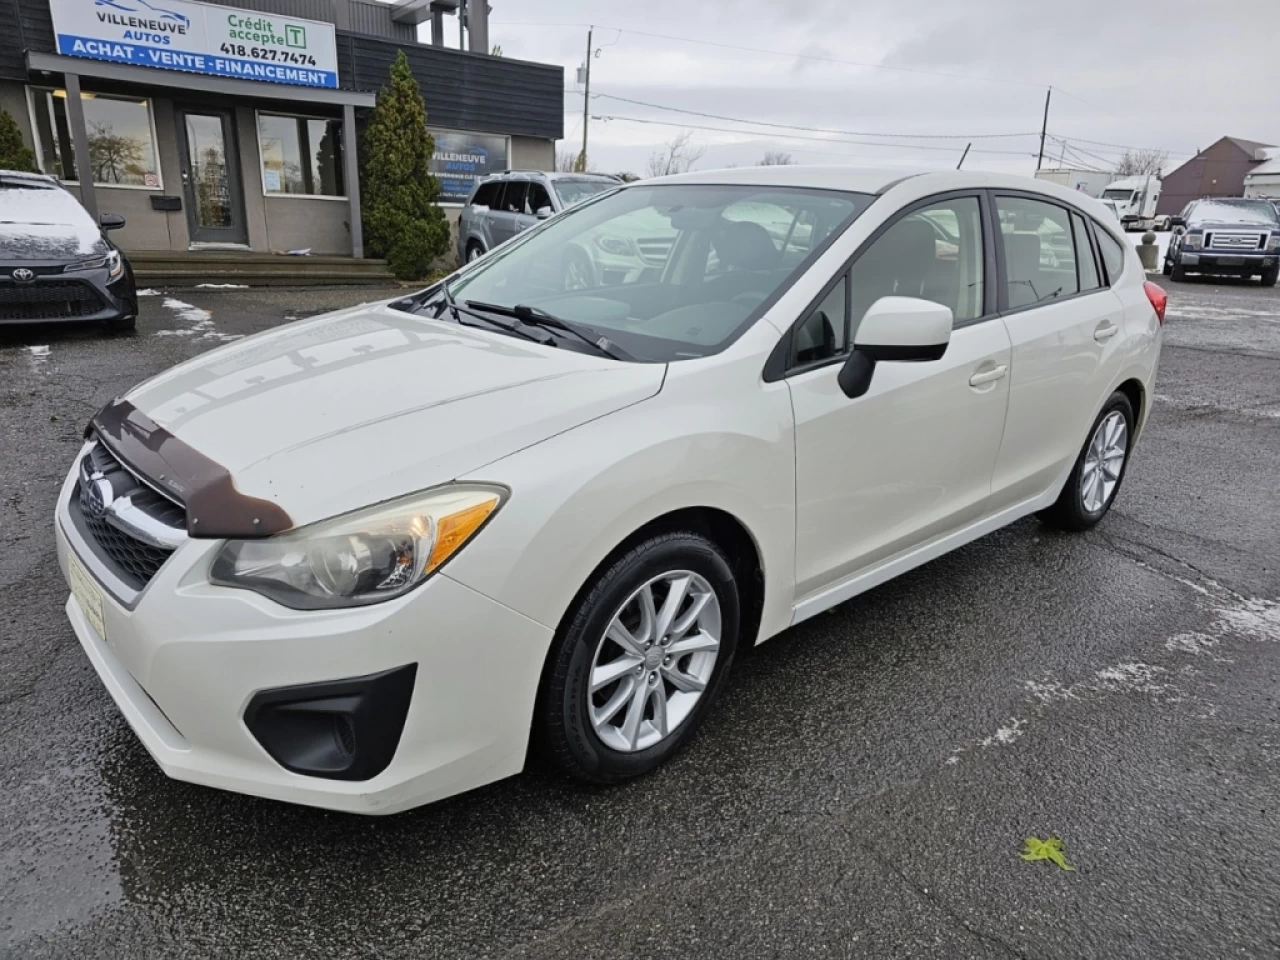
(458, 310)
(537, 317)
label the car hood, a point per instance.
(356, 407)
(1247, 227)
(50, 241)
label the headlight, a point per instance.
(112, 260)
(363, 557)
(1273, 242)
(1193, 240)
(618, 246)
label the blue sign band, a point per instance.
(165, 58)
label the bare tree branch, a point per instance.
(678, 155)
(1137, 163)
(775, 158)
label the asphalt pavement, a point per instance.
(863, 789)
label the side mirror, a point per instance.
(542, 213)
(111, 221)
(895, 330)
(1177, 221)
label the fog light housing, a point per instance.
(339, 729)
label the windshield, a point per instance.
(575, 191)
(1235, 211)
(1122, 195)
(669, 271)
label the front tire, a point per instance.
(123, 324)
(1177, 272)
(1099, 470)
(474, 252)
(639, 659)
(1269, 277)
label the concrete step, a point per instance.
(167, 267)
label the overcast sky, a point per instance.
(1175, 75)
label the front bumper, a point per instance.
(82, 296)
(186, 660)
(1230, 263)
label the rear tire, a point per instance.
(474, 252)
(641, 711)
(1099, 469)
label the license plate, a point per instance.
(1231, 261)
(87, 595)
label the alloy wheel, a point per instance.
(654, 661)
(1103, 461)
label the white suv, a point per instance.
(361, 561)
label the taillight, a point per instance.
(1159, 299)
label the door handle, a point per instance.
(1105, 331)
(989, 376)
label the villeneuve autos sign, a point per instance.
(198, 38)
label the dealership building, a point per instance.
(234, 126)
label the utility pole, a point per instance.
(462, 24)
(1044, 126)
(963, 155)
(586, 103)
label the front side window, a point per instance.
(487, 195)
(537, 197)
(1039, 253)
(822, 335)
(301, 156)
(513, 197)
(934, 253)
(122, 149)
(668, 271)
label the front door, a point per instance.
(911, 460)
(211, 177)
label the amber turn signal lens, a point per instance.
(456, 529)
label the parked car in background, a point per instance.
(56, 264)
(506, 511)
(1136, 199)
(506, 203)
(1231, 237)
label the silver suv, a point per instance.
(502, 205)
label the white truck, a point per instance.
(1135, 199)
(1089, 182)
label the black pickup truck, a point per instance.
(1232, 236)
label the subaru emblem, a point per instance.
(23, 275)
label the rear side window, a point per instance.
(487, 194)
(514, 196)
(1112, 254)
(1088, 268)
(1039, 251)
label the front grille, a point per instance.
(103, 482)
(48, 300)
(1220, 240)
(654, 250)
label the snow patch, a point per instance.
(148, 292)
(222, 286)
(201, 323)
(1127, 677)
(38, 355)
(1004, 735)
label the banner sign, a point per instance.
(198, 38)
(460, 159)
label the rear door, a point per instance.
(1065, 327)
(506, 216)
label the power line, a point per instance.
(791, 136)
(792, 126)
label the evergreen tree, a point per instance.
(14, 154)
(401, 219)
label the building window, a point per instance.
(301, 156)
(122, 142)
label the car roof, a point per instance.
(550, 175)
(874, 180)
(24, 175)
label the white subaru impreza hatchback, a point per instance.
(365, 561)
